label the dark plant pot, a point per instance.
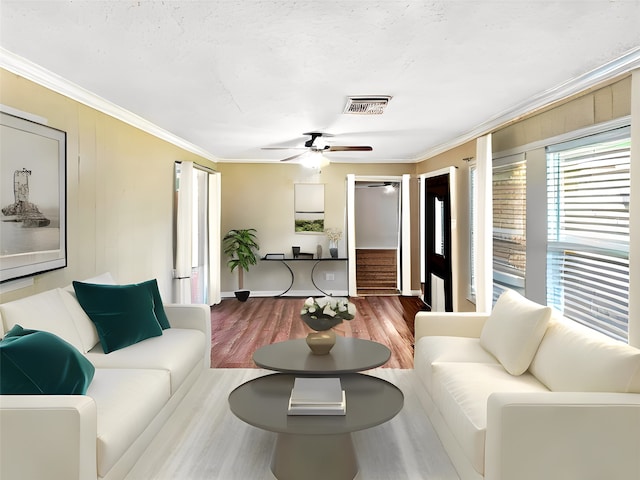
(242, 295)
(333, 252)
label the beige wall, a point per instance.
(119, 191)
(119, 179)
(260, 196)
(598, 106)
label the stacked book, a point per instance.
(317, 396)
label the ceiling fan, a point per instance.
(310, 146)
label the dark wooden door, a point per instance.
(437, 256)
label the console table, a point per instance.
(303, 258)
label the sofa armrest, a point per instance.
(560, 435)
(48, 436)
(194, 316)
(449, 324)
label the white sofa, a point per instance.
(99, 435)
(573, 414)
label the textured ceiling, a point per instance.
(234, 76)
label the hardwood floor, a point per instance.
(239, 328)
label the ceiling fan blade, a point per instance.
(338, 148)
(293, 157)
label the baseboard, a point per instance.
(290, 293)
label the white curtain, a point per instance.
(214, 239)
(484, 234)
(182, 280)
(405, 212)
(351, 234)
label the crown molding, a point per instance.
(31, 71)
(609, 71)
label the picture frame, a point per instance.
(309, 208)
(33, 191)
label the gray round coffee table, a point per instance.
(349, 355)
(315, 447)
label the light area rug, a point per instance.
(204, 440)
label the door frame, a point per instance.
(455, 271)
(405, 228)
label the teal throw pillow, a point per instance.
(34, 362)
(158, 309)
(123, 314)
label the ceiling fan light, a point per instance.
(314, 160)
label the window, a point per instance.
(588, 183)
(509, 225)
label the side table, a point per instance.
(347, 356)
(315, 447)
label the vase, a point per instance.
(322, 342)
(333, 248)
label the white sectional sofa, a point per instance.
(525, 394)
(101, 434)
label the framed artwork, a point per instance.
(309, 208)
(33, 188)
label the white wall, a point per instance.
(377, 217)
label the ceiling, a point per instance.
(232, 76)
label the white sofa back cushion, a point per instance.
(574, 358)
(44, 311)
(86, 328)
(514, 330)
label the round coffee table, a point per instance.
(349, 355)
(315, 447)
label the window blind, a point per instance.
(588, 183)
(509, 226)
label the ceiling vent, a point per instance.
(366, 105)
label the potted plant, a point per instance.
(241, 245)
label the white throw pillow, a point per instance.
(514, 330)
(574, 358)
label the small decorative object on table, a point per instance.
(296, 252)
(333, 234)
(322, 314)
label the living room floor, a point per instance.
(239, 328)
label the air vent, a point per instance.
(366, 105)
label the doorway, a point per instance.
(378, 235)
(438, 240)
(196, 234)
(377, 221)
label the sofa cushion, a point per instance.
(43, 311)
(34, 362)
(127, 400)
(123, 314)
(429, 350)
(574, 358)
(84, 326)
(461, 391)
(158, 309)
(178, 351)
(514, 330)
